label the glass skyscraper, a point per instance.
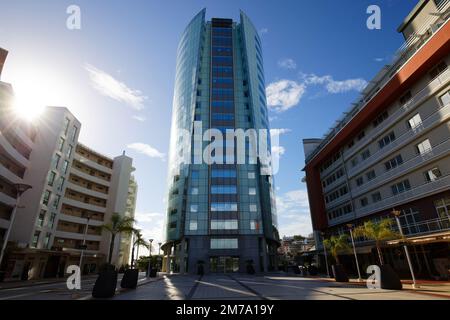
(220, 216)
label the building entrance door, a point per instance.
(224, 264)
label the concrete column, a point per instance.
(182, 255)
(167, 262)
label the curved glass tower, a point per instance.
(221, 215)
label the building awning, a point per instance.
(423, 239)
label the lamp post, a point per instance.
(20, 189)
(150, 257)
(350, 227)
(325, 253)
(132, 250)
(159, 256)
(396, 214)
(83, 247)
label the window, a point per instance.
(35, 240)
(252, 191)
(400, 187)
(251, 175)
(359, 181)
(370, 175)
(376, 197)
(41, 218)
(195, 174)
(69, 152)
(424, 147)
(199, 93)
(361, 135)
(386, 140)
(60, 184)
(414, 122)
(46, 197)
(194, 191)
(197, 117)
(445, 98)
(74, 133)
(51, 221)
(254, 225)
(194, 207)
(66, 125)
(378, 120)
(351, 144)
(193, 225)
(253, 208)
(393, 163)
(365, 154)
(218, 173)
(224, 243)
(65, 166)
(224, 224)
(51, 178)
(223, 189)
(432, 174)
(61, 144)
(56, 201)
(364, 202)
(435, 72)
(405, 98)
(223, 206)
(55, 161)
(47, 240)
(354, 162)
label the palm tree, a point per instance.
(138, 241)
(378, 232)
(336, 244)
(118, 225)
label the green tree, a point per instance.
(378, 232)
(139, 241)
(118, 225)
(337, 244)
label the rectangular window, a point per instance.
(405, 98)
(386, 140)
(47, 240)
(56, 201)
(376, 197)
(223, 206)
(41, 218)
(218, 173)
(224, 243)
(393, 163)
(224, 224)
(60, 184)
(435, 72)
(194, 191)
(251, 175)
(55, 161)
(361, 135)
(74, 133)
(194, 207)
(46, 197)
(424, 147)
(254, 225)
(61, 144)
(378, 120)
(414, 122)
(445, 99)
(66, 125)
(65, 166)
(432, 174)
(35, 240)
(253, 208)
(223, 189)
(51, 178)
(359, 181)
(364, 202)
(252, 191)
(365, 154)
(195, 174)
(193, 225)
(370, 175)
(69, 152)
(400, 187)
(51, 221)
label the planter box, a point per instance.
(105, 285)
(130, 279)
(339, 273)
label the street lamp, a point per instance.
(159, 256)
(325, 253)
(396, 214)
(20, 189)
(350, 227)
(150, 257)
(83, 247)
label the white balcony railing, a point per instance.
(435, 153)
(439, 116)
(87, 191)
(338, 201)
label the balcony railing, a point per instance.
(443, 183)
(439, 116)
(432, 154)
(427, 226)
(423, 94)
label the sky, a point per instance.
(116, 75)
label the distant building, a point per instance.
(70, 183)
(390, 150)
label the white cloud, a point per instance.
(146, 149)
(139, 118)
(108, 86)
(287, 64)
(334, 86)
(284, 94)
(263, 31)
(379, 59)
(278, 151)
(152, 226)
(293, 213)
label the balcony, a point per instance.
(8, 175)
(89, 177)
(334, 184)
(338, 201)
(436, 118)
(87, 191)
(92, 164)
(433, 154)
(77, 236)
(421, 191)
(83, 205)
(331, 168)
(426, 227)
(79, 220)
(431, 88)
(13, 153)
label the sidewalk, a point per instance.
(427, 287)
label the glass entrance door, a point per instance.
(224, 264)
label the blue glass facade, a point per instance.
(221, 216)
